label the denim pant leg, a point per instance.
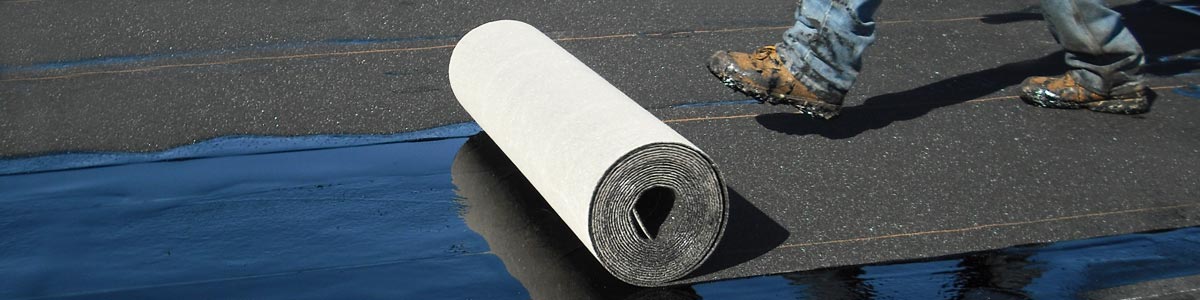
(824, 48)
(1103, 55)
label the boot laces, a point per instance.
(764, 53)
(767, 58)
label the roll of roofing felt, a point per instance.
(537, 248)
(646, 202)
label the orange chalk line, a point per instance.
(326, 54)
(1010, 224)
(991, 99)
(968, 101)
(709, 118)
(598, 37)
(718, 30)
(232, 61)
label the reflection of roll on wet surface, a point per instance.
(646, 202)
(535, 245)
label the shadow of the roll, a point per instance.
(537, 248)
(749, 234)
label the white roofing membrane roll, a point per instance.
(646, 202)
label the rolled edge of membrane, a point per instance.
(693, 224)
(610, 230)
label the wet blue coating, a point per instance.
(381, 220)
(1190, 91)
(287, 224)
(227, 146)
(1061, 270)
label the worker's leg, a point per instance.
(1103, 55)
(815, 65)
(824, 48)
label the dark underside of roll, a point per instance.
(658, 213)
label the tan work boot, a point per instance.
(1064, 92)
(764, 76)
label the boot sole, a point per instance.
(809, 107)
(1128, 106)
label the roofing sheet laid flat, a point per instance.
(974, 177)
(980, 177)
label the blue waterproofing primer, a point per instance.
(1166, 59)
(1192, 91)
(1192, 9)
(226, 146)
(354, 217)
(928, 280)
(1061, 270)
(142, 58)
(1114, 261)
(763, 287)
(371, 221)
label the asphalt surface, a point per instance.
(963, 178)
(1174, 288)
(933, 154)
(131, 76)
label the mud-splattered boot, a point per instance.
(764, 76)
(1064, 92)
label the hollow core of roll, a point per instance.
(658, 214)
(652, 208)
